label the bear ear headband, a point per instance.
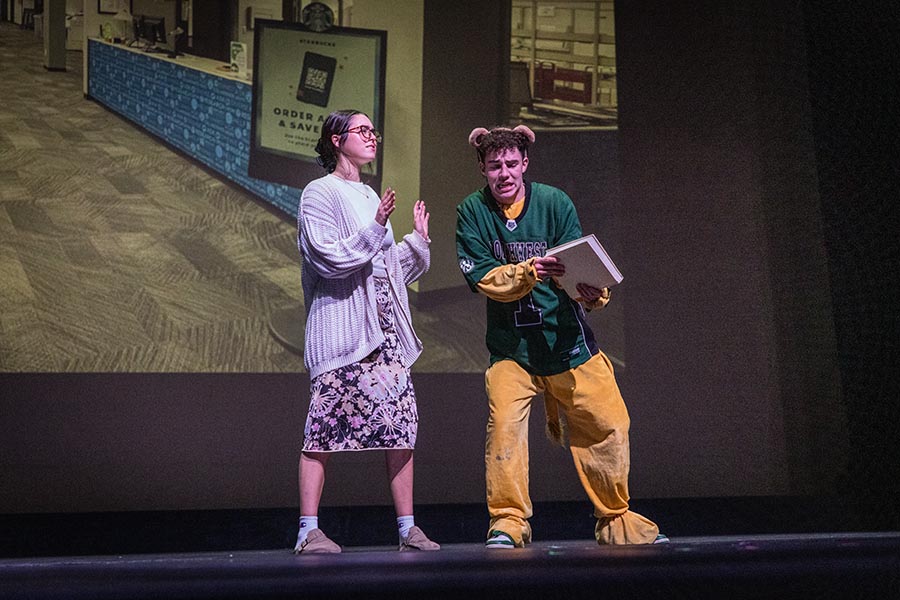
(477, 135)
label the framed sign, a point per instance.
(107, 7)
(299, 77)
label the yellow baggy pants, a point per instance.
(597, 427)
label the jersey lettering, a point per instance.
(516, 252)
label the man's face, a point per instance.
(503, 170)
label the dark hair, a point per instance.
(336, 123)
(502, 138)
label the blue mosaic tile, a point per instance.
(202, 115)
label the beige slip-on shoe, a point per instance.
(417, 540)
(317, 542)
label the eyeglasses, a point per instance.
(366, 133)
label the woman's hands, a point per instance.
(420, 219)
(385, 207)
(389, 202)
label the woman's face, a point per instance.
(359, 144)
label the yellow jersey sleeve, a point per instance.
(508, 283)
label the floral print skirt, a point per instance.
(368, 405)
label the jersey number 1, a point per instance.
(528, 315)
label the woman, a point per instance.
(360, 343)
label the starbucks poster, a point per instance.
(299, 77)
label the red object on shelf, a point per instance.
(550, 83)
(543, 80)
(572, 94)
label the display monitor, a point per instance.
(150, 29)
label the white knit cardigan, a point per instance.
(339, 291)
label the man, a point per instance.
(540, 341)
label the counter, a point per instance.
(190, 103)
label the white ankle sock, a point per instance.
(403, 525)
(307, 524)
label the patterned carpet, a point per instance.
(117, 254)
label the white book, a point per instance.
(586, 262)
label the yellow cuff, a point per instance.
(597, 303)
(508, 283)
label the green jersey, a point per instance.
(545, 331)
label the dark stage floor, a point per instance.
(844, 565)
(732, 548)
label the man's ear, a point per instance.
(481, 167)
(524, 163)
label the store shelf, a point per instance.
(569, 48)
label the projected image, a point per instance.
(563, 70)
(156, 264)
